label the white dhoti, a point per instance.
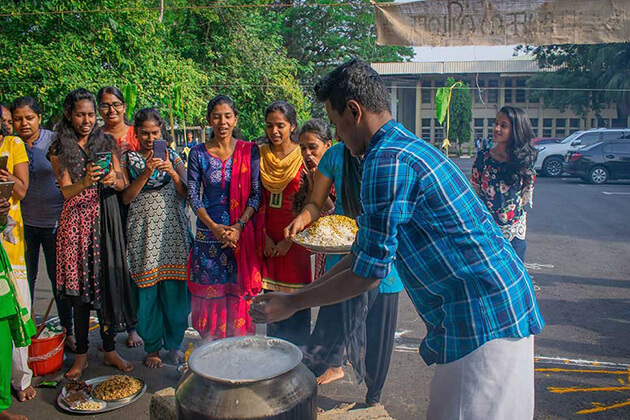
(495, 382)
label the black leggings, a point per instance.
(381, 328)
(82, 329)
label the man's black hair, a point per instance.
(354, 80)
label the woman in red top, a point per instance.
(286, 268)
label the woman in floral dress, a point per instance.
(503, 176)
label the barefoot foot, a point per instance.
(153, 360)
(331, 375)
(111, 358)
(5, 415)
(133, 339)
(70, 343)
(26, 394)
(80, 363)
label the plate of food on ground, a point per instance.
(332, 234)
(99, 395)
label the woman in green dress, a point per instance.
(16, 326)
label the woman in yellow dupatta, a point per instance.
(286, 268)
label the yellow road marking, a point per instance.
(604, 408)
(609, 372)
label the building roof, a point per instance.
(519, 65)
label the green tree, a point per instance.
(202, 51)
(460, 114)
(320, 38)
(582, 70)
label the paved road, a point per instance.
(579, 243)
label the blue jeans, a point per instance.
(47, 239)
(520, 246)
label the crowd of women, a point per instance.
(118, 240)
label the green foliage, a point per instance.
(254, 55)
(442, 99)
(130, 93)
(460, 111)
(583, 67)
(321, 38)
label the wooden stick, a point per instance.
(43, 324)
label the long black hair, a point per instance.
(289, 113)
(351, 185)
(70, 154)
(520, 150)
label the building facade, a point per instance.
(412, 86)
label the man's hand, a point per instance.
(272, 307)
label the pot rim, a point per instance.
(271, 341)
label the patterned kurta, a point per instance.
(157, 228)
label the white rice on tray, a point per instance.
(329, 231)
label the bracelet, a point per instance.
(241, 223)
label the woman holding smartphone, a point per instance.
(159, 239)
(91, 262)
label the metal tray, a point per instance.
(109, 405)
(339, 250)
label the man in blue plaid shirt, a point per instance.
(465, 280)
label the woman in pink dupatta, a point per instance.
(226, 259)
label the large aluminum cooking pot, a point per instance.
(249, 378)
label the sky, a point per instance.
(471, 53)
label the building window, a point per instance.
(490, 127)
(480, 93)
(438, 135)
(521, 96)
(561, 127)
(493, 91)
(426, 129)
(534, 122)
(426, 93)
(574, 123)
(508, 91)
(478, 124)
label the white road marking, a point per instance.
(615, 193)
(400, 333)
(579, 362)
(537, 266)
(403, 348)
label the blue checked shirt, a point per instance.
(421, 214)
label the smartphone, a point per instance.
(6, 189)
(104, 161)
(4, 160)
(159, 149)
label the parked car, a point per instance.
(539, 141)
(600, 162)
(551, 156)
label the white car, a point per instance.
(551, 156)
